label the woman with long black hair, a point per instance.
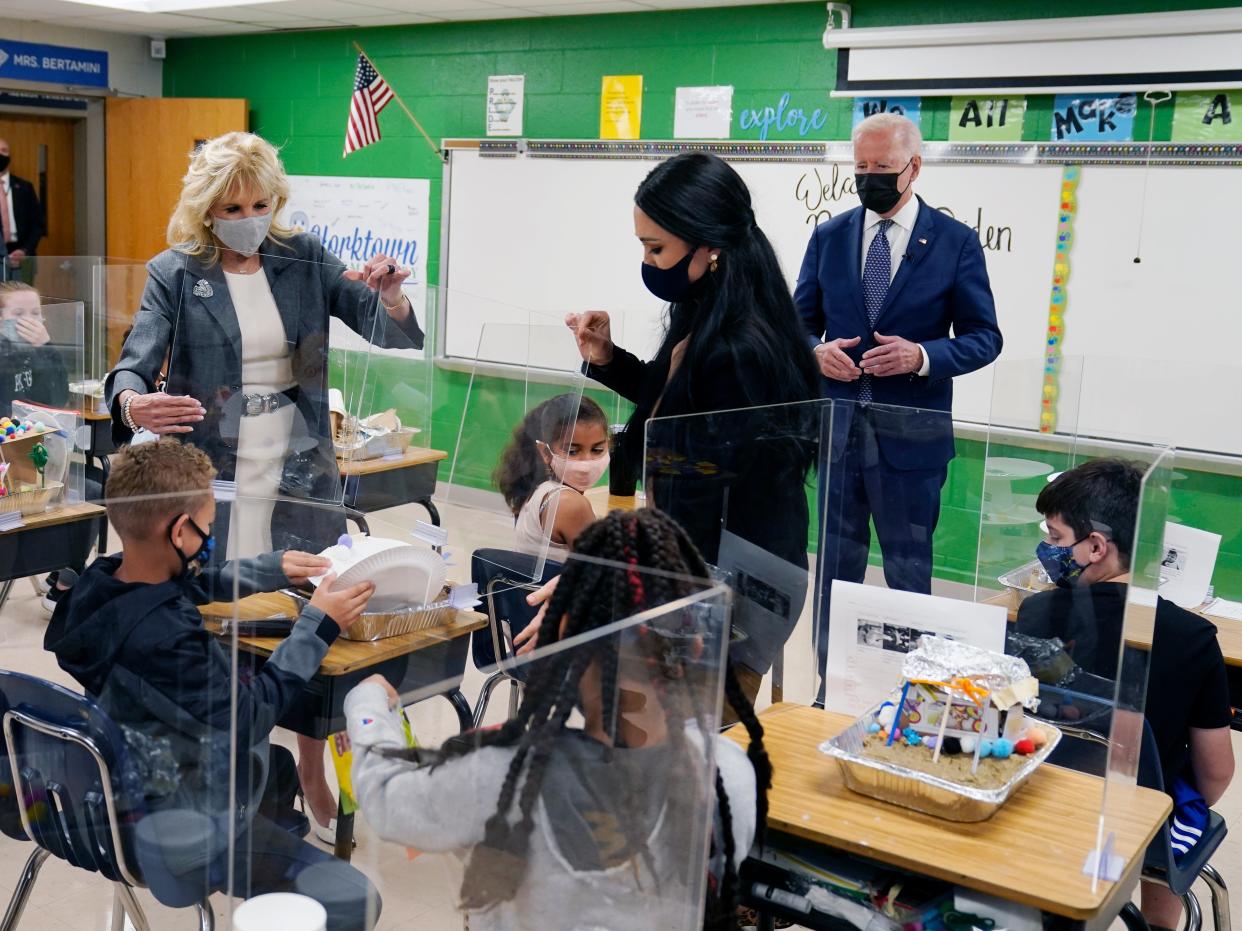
(733, 341)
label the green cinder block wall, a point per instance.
(298, 86)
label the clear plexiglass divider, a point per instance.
(41, 465)
(1026, 444)
(528, 448)
(1139, 759)
(744, 484)
(603, 776)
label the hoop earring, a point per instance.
(712, 263)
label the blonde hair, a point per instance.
(234, 162)
(904, 132)
(13, 287)
(152, 483)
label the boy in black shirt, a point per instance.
(1090, 513)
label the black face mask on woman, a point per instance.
(670, 284)
(878, 190)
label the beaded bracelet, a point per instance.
(126, 418)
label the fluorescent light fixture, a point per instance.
(169, 6)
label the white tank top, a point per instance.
(529, 531)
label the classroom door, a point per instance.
(148, 144)
(42, 153)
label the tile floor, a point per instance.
(418, 894)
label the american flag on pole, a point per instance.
(371, 95)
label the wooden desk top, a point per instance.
(414, 456)
(93, 415)
(1031, 851)
(62, 515)
(344, 656)
(1140, 626)
(602, 502)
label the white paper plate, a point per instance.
(405, 575)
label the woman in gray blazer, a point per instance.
(241, 306)
(251, 372)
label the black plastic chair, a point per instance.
(504, 579)
(71, 789)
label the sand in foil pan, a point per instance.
(992, 773)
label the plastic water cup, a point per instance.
(285, 910)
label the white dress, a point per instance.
(263, 440)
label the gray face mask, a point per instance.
(244, 235)
(8, 330)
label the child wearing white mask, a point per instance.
(557, 453)
(31, 367)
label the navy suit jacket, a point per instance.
(940, 286)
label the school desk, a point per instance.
(54, 539)
(376, 484)
(1030, 852)
(411, 662)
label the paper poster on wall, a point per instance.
(1093, 119)
(621, 106)
(986, 119)
(1207, 116)
(909, 107)
(356, 218)
(871, 629)
(1187, 564)
(506, 99)
(703, 112)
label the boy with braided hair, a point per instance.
(565, 828)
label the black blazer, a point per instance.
(744, 470)
(28, 214)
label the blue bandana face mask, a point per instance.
(1058, 562)
(193, 565)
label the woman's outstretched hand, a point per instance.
(164, 414)
(385, 275)
(593, 331)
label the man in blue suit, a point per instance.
(895, 299)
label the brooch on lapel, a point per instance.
(203, 288)
(922, 242)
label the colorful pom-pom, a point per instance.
(985, 748)
(1037, 736)
(1002, 749)
(874, 728)
(968, 744)
(952, 746)
(1024, 747)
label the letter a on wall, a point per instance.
(1207, 116)
(986, 119)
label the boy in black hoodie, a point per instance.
(130, 633)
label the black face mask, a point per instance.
(4, 163)
(193, 565)
(670, 284)
(878, 190)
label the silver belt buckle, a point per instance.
(256, 404)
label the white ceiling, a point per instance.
(239, 18)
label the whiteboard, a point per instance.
(546, 236)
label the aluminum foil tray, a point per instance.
(1026, 580)
(920, 791)
(381, 624)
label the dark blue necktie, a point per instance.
(877, 275)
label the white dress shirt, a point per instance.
(8, 193)
(899, 242)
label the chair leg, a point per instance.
(485, 696)
(131, 908)
(1194, 914)
(206, 916)
(515, 697)
(1133, 919)
(118, 911)
(21, 895)
(1220, 897)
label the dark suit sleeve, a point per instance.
(626, 374)
(358, 307)
(808, 297)
(143, 352)
(976, 339)
(31, 223)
